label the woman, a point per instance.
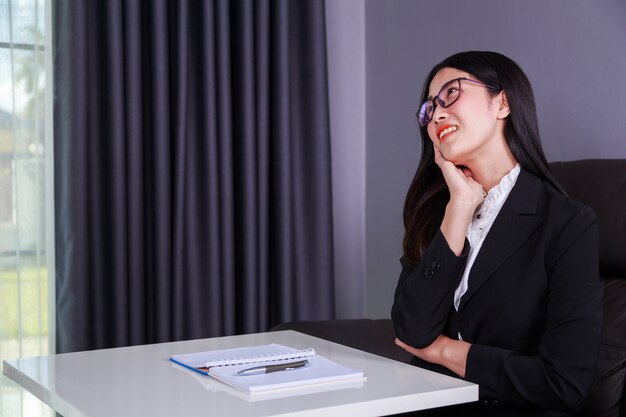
(500, 282)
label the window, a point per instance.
(24, 190)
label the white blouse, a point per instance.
(482, 220)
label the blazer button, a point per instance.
(429, 272)
(435, 265)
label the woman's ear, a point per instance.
(503, 106)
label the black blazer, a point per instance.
(533, 309)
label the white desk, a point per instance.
(141, 381)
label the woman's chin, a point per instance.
(451, 156)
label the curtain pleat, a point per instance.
(192, 161)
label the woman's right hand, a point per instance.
(464, 190)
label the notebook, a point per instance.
(224, 365)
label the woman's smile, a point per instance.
(444, 131)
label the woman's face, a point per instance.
(465, 130)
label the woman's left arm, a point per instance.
(444, 351)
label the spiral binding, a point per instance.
(247, 360)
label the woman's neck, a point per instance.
(490, 176)
(489, 169)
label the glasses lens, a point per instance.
(449, 93)
(425, 113)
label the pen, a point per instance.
(265, 369)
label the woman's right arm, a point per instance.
(465, 195)
(424, 294)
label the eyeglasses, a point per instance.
(447, 96)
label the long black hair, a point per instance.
(428, 194)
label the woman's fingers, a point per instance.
(460, 181)
(439, 159)
(467, 172)
(447, 167)
(406, 347)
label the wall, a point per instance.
(573, 51)
(345, 28)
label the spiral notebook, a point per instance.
(224, 365)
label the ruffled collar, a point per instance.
(490, 207)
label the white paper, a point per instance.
(321, 371)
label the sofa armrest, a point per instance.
(607, 396)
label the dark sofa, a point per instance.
(598, 183)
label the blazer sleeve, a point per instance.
(560, 375)
(425, 293)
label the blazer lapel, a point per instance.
(516, 221)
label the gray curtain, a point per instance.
(192, 169)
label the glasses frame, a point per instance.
(423, 121)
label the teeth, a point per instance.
(446, 131)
